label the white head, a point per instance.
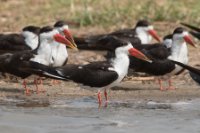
(145, 32)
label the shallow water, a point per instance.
(82, 115)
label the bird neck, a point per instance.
(168, 43)
(179, 51)
(44, 47)
(121, 63)
(60, 54)
(144, 36)
(32, 42)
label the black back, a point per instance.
(93, 42)
(157, 68)
(95, 74)
(14, 63)
(158, 53)
(12, 42)
(15, 42)
(33, 29)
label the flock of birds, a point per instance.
(42, 51)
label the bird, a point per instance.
(141, 34)
(194, 72)
(59, 51)
(97, 75)
(27, 40)
(12, 62)
(54, 54)
(160, 55)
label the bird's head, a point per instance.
(181, 35)
(63, 29)
(143, 27)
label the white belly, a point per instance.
(59, 55)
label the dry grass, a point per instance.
(99, 13)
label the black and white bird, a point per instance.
(161, 65)
(58, 50)
(27, 40)
(141, 34)
(99, 75)
(13, 63)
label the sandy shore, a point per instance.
(131, 89)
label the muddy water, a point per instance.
(82, 115)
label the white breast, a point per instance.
(143, 35)
(121, 63)
(43, 54)
(180, 54)
(59, 54)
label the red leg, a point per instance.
(36, 85)
(106, 97)
(99, 98)
(38, 89)
(171, 87)
(27, 90)
(160, 83)
(55, 82)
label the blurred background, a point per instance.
(101, 14)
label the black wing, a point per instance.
(154, 51)
(97, 74)
(12, 42)
(157, 68)
(13, 63)
(104, 41)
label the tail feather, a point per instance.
(194, 72)
(189, 68)
(42, 70)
